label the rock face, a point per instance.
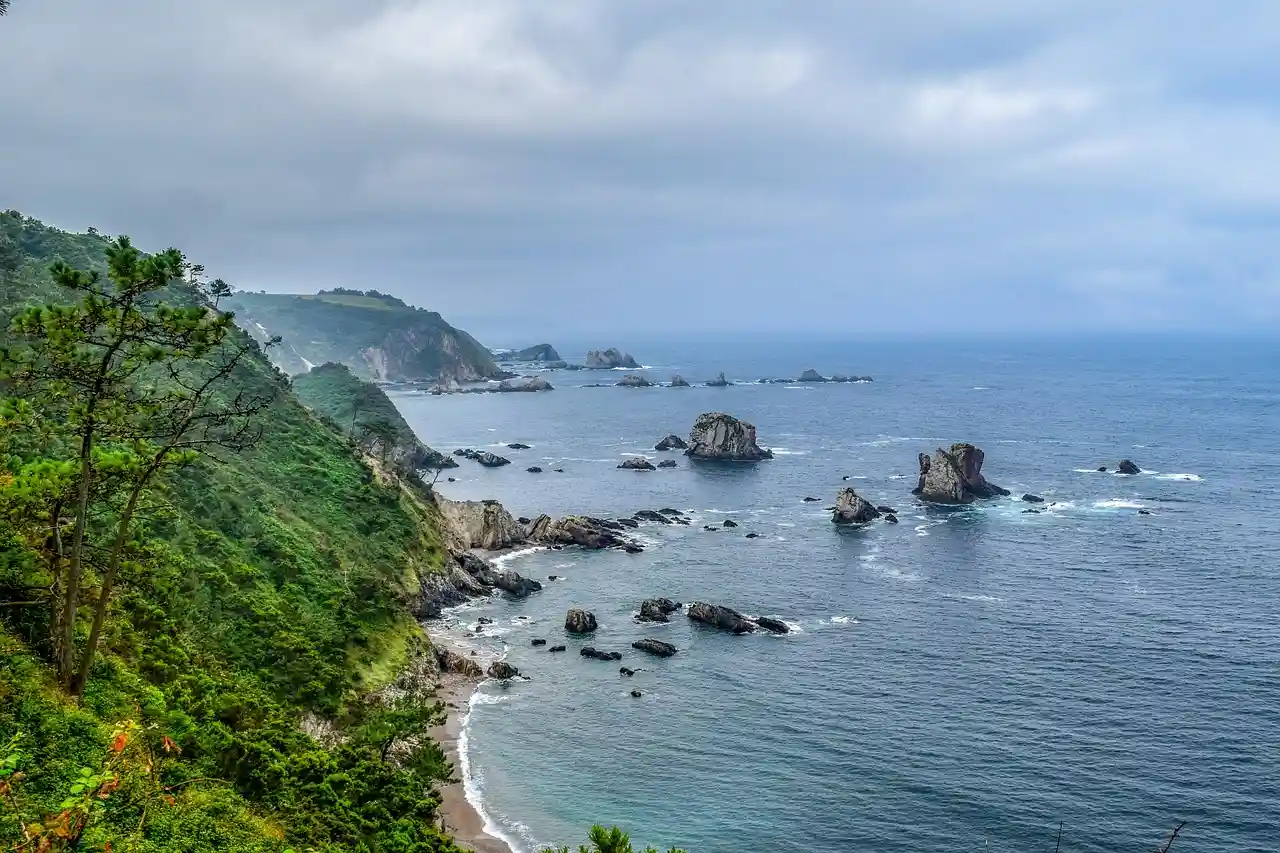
(502, 669)
(657, 609)
(720, 617)
(678, 381)
(655, 647)
(1127, 467)
(811, 375)
(954, 477)
(717, 436)
(852, 509)
(671, 442)
(637, 463)
(632, 380)
(591, 533)
(481, 524)
(578, 621)
(609, 359)
(719, 381)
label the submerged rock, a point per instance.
(891, 518)
(1127, 467)
(721, 437)
(636, 694)
(538, 643)
(776, 626)
(657, 609)
(609, 359)
(556, 649)
(637, 463)
(852, 509)
(534, 469)
(954, 476)
(650, 515)
(811, 500)
(1102, 469)
(502, 669)
(886, 510)
(516, 445)
(626, 670)
(655, 647)
(671, 442)
(1032, 499)
(720, 617)
(599, 654)
(578, 621)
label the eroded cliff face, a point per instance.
(480, 524)
(955, 476)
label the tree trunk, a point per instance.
(71, 594)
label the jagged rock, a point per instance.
(538, 352)
(599, 654)
(538, 642)
(891, 518)
(633, 548)
(636, 694)
(668, 463)
(719, 381)
(480, 524)
(721, 437)
(811, 375)
(452, 586)
(954, 477)
(1032, 499)
(516, 584)
(655, 647)
(1127, 467)
(609, 359)
(516, 445)
(775, 626)
(657, 609)
(502, 669)
(666, 510)
(534, 469)
(720, 617)
(590, 533)
(678, 381)
(637, 463)
(556, 649)
(484, 457)
(650, 515)
(853, 509)
(728, 522)
(671, 442)
(452, 662)
(578, 621)
(627, 671)
(634, 381)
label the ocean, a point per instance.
(968, 679)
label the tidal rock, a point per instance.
(671, 442)
(454, 663)
(668, 463)
(515, 584)
(453, 479)
(502, 669)
(633, 548)
(719, 381)
(629, 522)
(811, 500)
(523, 384)
(590, 533)
(599, 654)
(515, 445)
(1127, 467)
(720, 617)
(634, 381)
(753, 535)
(578, 621)
(679, 381)
(1032, 499)
(811, 375)
(637, 463)
(1144, 512)
(484, 620)
(650, 515)
(484, 457)
(711, 527)
(891, 518)
(657, 609)
(553, 577)
(636, 694)
(886, 510)
(655, 647)
(538, 643)
(609, 359)
(954, 477)
(556, 649)
(853, 509)
(534, 469)
(729, 522)
(721, 437)
(666, 510)
(776, 626)
(1102, 469)
(626, 670)
(1031, 512)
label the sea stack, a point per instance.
(609, 359)
(852, 509)
(954, 477)
(671, 442)
(720, 437)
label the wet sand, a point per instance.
(459, 817)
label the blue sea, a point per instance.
(968, 679)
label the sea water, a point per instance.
(968, 679)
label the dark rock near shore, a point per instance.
(636, 694)
(776, 626)
(655, 647)
(668, 463)
(637, 463)
(502, 669)
(533, 469)
(626, 670)
(1102, 469)
(650, 515)
(729, 522)
(954, 477)
(671, 442)
(1127, 467)
(1032, 499)
(578, 621)
(1144, 512)
(753, 535)
(886, 510)
(452, 662)
(538, 643)
(583, 531)
(891, 518)
(515, 584)
(484, 457)
(556, 649)
(515, 445)
(853, 509)
(719, 437)
(629, 522)
(720, 617)
(811, 500)
(657, 609)
(599, 654)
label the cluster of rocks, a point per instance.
(726, 619)
(610, 359)
(467, 577)
(515, 384)
(484, 457)
(634, 380)
(812, 375)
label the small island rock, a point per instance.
(1127, 467)
(501, 669)
(637, 463)
(853, 509)
(721, 437)
(657, 609)
(609, 359)
(671, 442)
(719, 381)
(954, 476)
(578, 621)
(679, 381)
(720, 617)
(655, 647)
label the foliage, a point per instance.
(612, 840)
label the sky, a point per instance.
(600, 169)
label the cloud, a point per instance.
(736, 163)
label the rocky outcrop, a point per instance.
(452, 586)
(501, 669)
(521, 384)
(678, 381)
(652, 516)
(633, 380)
(773, 626)
(720, 617)
(480, 524)
(538, 352)
(719, 381)
(519, 445)
(484, 457)
(578, 621)
(721, 437)
(637, 463)
(811, 375)
(671, 442)
(954, 477)
(583, 531)
(609, 359)
(1127, 467)
(657, 609)
(599, 654)
(655, 647)
(668, 463)
(452, 662)
(516, 584)
(1032, 499)
(853, 509)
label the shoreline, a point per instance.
(462, 819)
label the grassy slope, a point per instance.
(282, 588)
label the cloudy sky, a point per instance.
(830, 166)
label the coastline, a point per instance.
(459, 816)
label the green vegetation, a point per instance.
(612, 840)
(366, 413)
(375, 335)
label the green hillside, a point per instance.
(376, 336)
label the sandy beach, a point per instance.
(460, 818)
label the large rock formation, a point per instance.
(523, 383)
(579, 621)
(774, 626)
(484, 457)
(655, 647)
(634, 380)
(456, 664)
(481, 524)
(954, 477)
(515, 584)
(718, 436)
(538, 352)
(720, 617)
(671, 442)
(657, 609)
(501, 669)
(585, 532)
(609, 359)
(852, 509)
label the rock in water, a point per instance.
(609, 359)
(657, 609)
(1032, 499)
(721, 437)
(637, 463)
(590, 533)
(636, 694)
(1102, 469)
(534, 469)
(1127, 467)
(515, 584)
(517, 445)
(668, 463)
(524, 383)
(599, 654)
(578, 621)
(852, 509)
(776, 626)
(679, 381)
(457, 664)
(538, 643)
(557, 649)
(954, 477)
(502, 669)
(719, 381)
(480, 524)
(720, 617)
(811, 375)
(671, 442)
(634, 381)
(655, 647)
